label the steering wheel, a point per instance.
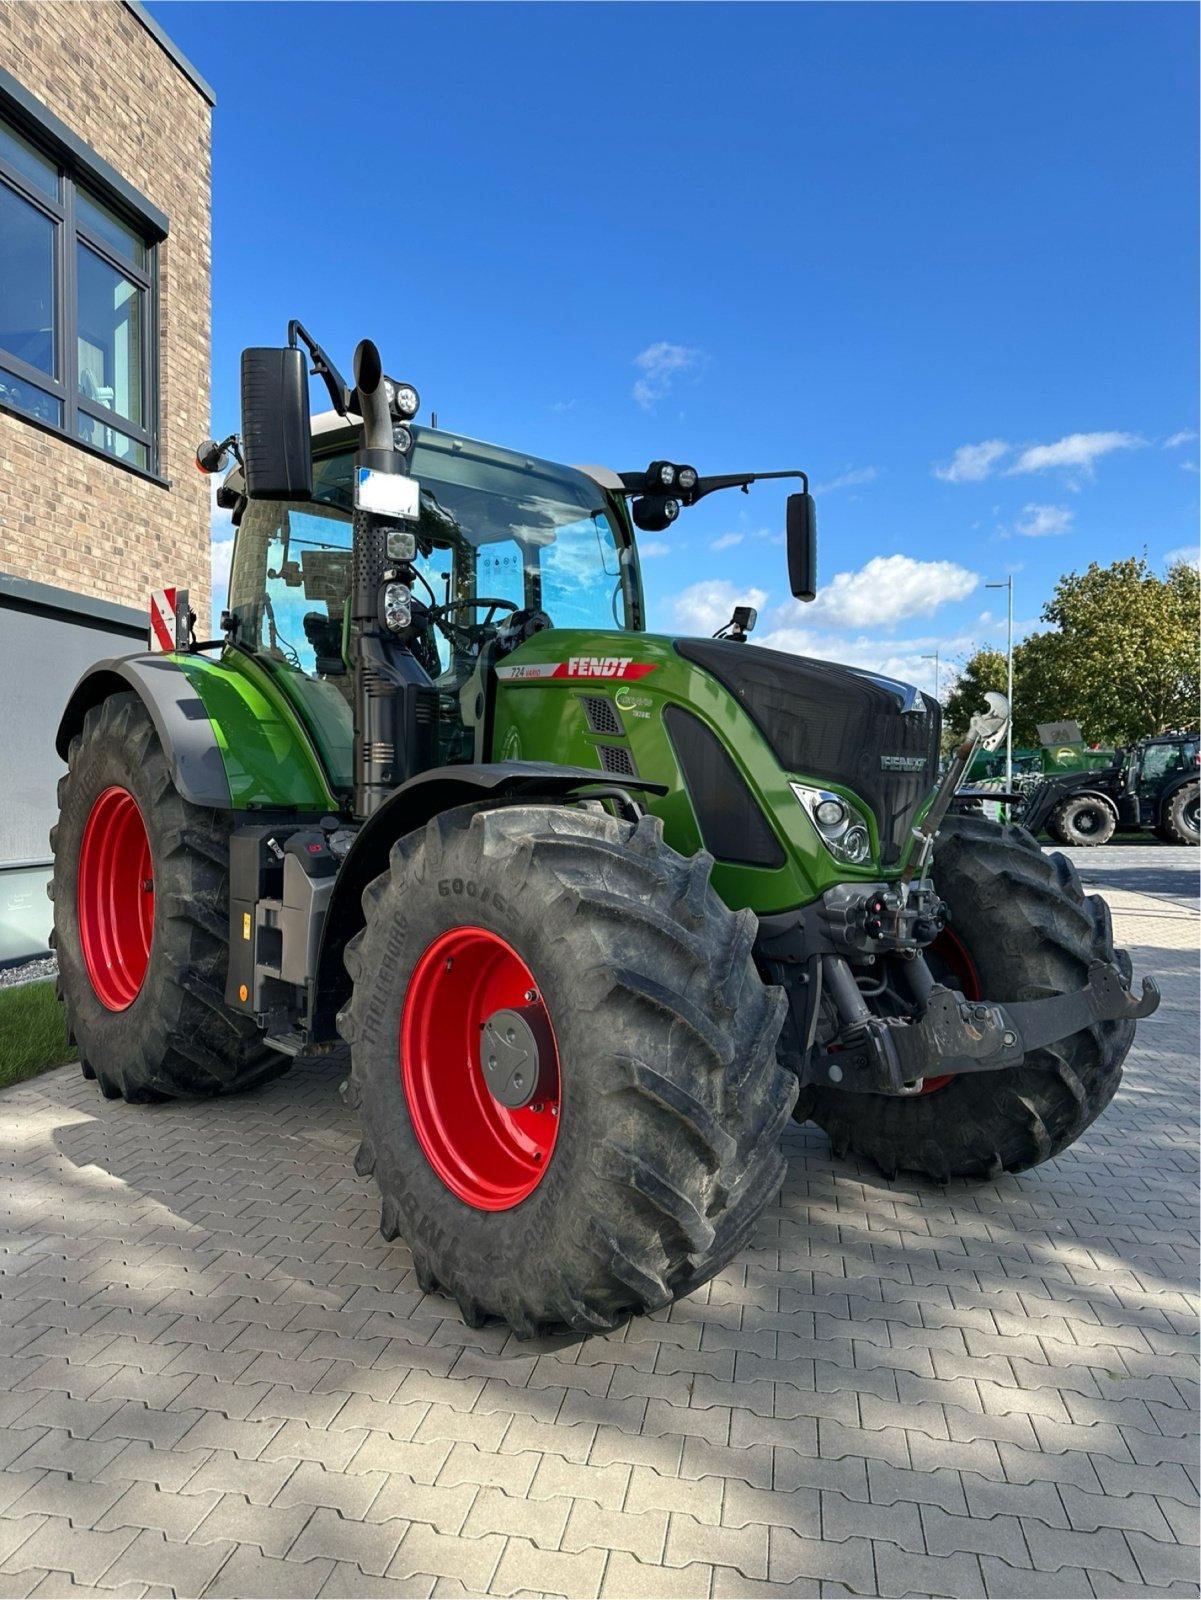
(477, 602)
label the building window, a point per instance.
(77, 346)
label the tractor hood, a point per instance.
(875, 735)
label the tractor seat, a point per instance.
(325, 636)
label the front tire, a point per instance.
(1028, 931)
(1181, 822)
(141, 921)
(652, 1145)
(1085, 819)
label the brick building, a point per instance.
(104, 374)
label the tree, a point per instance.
(1127, 655)
(1123, 658)
(984, 670)
(1036, 697)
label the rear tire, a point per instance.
(142, 969)
(665, 1149)
(1180, 822)
(1084, 819)
(1029, 931)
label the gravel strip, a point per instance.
(35, 971)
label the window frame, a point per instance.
(95, 180)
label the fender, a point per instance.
(410, 807)
(233, 739)
(177, 711)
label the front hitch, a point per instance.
(954, 1035)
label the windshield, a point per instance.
(493, 526)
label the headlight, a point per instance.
(398, 612)
(840, 826)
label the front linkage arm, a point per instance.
(956, 1035)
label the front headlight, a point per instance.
(840, 826)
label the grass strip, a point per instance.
(33, 1033)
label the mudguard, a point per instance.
(233, 738)
(411, 807)
(177, 711)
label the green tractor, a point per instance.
(596, 910)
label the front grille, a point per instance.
(834, 724)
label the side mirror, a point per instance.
(275, 425)
(801, 528)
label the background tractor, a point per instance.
(1151, 786)
(595, 909)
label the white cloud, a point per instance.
(563, 405)
(882, 593)
(909, 660)
(221, 551)
(654, 547)
(971, 462)
(847, 480)
(660, 364)
(1076, 451)
(1182, 437)
(1038, 522)
(1185, 552)
(726, 541)
(704, 607)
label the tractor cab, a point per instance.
(504, 546)
(1154, 766)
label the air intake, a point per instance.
(616, 758)
(602, 714)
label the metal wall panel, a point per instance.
(46, 645)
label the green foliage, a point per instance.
(1123, 658)
(33, 1034)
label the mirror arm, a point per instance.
(635, 483)
(323, 368)
(739, 480)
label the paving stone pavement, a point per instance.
(219, 1380)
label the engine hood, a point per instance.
(838, 724)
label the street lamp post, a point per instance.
(934, 658)
(1008, 584)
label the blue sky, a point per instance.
(941, 256)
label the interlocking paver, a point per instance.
(900, 1523)
(259, 1481)
(791, 1557)
(523, 1567)
(472, 1561)
(349, 1582)
(900, 1573)
(57, 1545)
(153, 1559)
(370, 1545)
(249, 1572)
(745, 1549)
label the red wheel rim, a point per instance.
(487, 1154)
(114, 898)
(951, 953)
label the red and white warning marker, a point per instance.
(168, 619)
